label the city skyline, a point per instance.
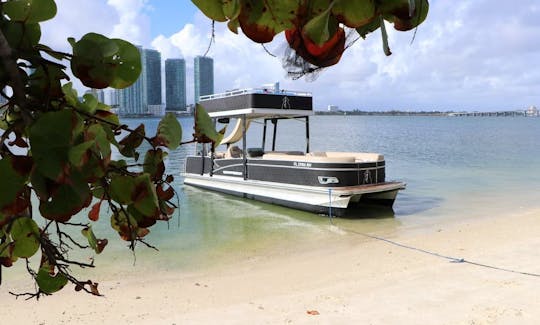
(146, 96)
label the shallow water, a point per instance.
(456, 168)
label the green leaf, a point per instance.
(213, 9)
(231, 8)
(70, 94)
(25, 235)
(89, 104)
(369, 28)
(51, 139)
(205, 131)
(169, 132)
(97, 132)
(12, 183)
(262, 20)
(78, 154)
(121, 188)
(145, 198)
(21, 35)
(125, 225)
(128, 145)
(96, 244)
(354, 13)
(30, 11)
(100, 62)
(68, 199)
(153, 164)
(128, 65)
(48, 283)
(317, 29)
(47, 83)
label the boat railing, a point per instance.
(270, 91)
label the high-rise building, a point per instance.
(144, 96)
(175, 84)
(153, 76)
(204, 76)
(133, 99)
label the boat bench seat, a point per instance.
(358, 156)
(307, 158)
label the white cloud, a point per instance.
(467, 55)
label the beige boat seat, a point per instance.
(233, 152)
(358, 156)
(307, 158)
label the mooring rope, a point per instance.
(450, 258)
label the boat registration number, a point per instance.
(301, 164)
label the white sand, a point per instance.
(354, 280)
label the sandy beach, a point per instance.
(353, 279)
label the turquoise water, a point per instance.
(456, 168)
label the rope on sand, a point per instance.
(450, 258)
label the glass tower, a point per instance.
(145, 93)
(175, 84)
(204, 76)
(133, 100)
(153, 76)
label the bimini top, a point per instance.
(258, 102)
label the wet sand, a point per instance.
(353, 279)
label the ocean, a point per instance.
(456, 169)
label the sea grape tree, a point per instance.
(56, 150)
(314, 29)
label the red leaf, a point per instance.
(94, 212)
(313, 312)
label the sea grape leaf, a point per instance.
(19, 34)
(12, 183)
(127, 63)
(138, 191)
(213, 9)
(47, 83)
(89, 104)
(317, 29)
(67, 199)
(51, 138)
(128, 145)
(100, 62)
(93, 214)
(205, 131)
(153, 164)
(125, 225)
(48, 283)
(369, 27)
(78, 154)
(262, 20)
(97, 133)
(98, 245)
(401, 15)
(25, 234)
(70, 94)
(169, 132)
(30, 11)
(231, 8)
(121, 188)
(354, 13)
(145, 197)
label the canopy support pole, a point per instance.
(244, 146)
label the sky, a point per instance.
(479, 55)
